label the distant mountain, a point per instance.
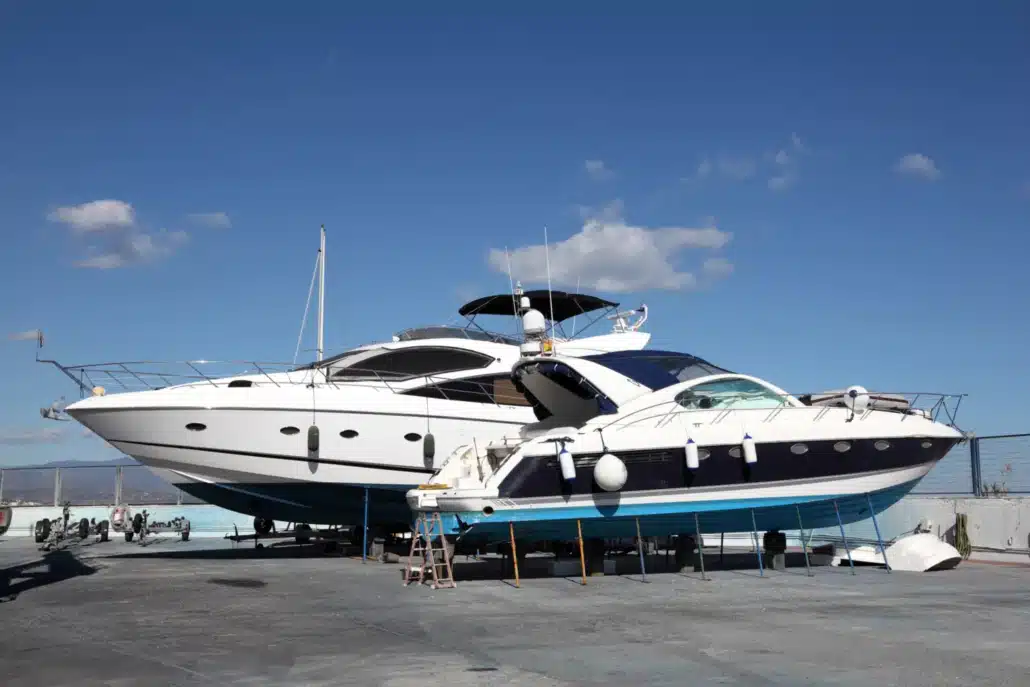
(87, 482)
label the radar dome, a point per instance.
(533, 322)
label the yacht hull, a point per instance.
(785, 505)
(243, 462)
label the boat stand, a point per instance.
(844, 537)
(758, 550)
(514, 553)
(700, 546)
(804, 546)
(640, 550)
(364, 538)
(582, 557)
(879, 539)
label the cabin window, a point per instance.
(240, 384)
(196, 427)
(349, 433)
(289, 431)
(499, 389)
(413, 362)
(729, 393)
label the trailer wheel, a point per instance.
(104, 529)
(83, 528)
(42, 530)
(128, 536)
(137, 522)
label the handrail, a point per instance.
(135, 376)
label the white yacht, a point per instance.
(669, 443)
(302, 444)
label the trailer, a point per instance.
(65, 530)
(139, 526)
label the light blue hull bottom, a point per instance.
(559, 523)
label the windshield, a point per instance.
(657, 369)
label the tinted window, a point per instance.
(729, 393)
(499, 389)
(413, 362)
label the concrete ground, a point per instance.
(201, 613)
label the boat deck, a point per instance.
(202, 613)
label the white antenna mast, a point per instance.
(321, 296)
(547, 257)
(514, 297)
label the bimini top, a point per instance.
(566, 305)
(657, 369)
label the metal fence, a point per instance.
(87, 485)
(989, 466)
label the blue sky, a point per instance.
(819, 196)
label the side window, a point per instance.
(498, 390)
(414, 362)
(729, 393)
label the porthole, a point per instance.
(488, 510)
(735, 452)
(703, 454)
(289, 431)
(240, 383)
(799, 449)
(196, 427)
(927, 444)
(349, 433)
(842, 447)
(882, 445)
(412, 436)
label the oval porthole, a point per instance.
(349, 433)
(488, 510)
(882, 445)
(703, 454)
(927, 444)
(735, 452)
(240, 384)
(842, 447)
(412, 436)
(289, 431)
(799, 449)
(196, 427)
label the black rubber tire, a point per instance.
(37, 529)
(303, 533)
(137, 523)
(128, 536)
(262, 526)
(83, 528)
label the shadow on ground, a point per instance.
(54, 567)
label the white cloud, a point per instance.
(135, 248)
(97, 215)
(116, 238)
(211, 220)
(919, 165)
(608, 254)
(28, 335)
(21, 437)
(717, 268)
(597, 170)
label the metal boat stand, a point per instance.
(844, 537)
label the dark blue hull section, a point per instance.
(308, 502)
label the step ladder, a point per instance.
(429, 562)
